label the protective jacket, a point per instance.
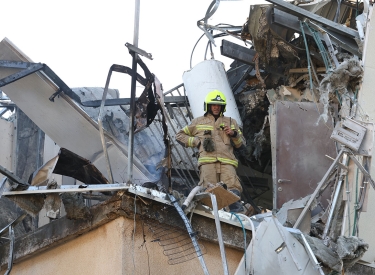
(205, 126)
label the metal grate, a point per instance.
(176, 242)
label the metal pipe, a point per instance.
(11, 250)
(310, 253)
(335, 198)
(101, 131)
(360, 30)
(190, 197)
(347, 204)
(136, 22)
(313, 195)
(308, 58)
(132, 94)
(337, 14)
(219, 235)
(252, 238)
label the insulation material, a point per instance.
(259, 140)
(351, 249)
(345, 78)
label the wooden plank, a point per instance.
(223, 197)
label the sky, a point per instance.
(79, 40)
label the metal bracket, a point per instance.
(138, 51)
(13, 177)
(30, 68)
(52, 97)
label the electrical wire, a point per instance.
(215, 36)
(191, 55)
(244, 233)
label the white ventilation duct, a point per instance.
(203, 78)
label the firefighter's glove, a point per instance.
(208, 144)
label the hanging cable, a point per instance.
(214, 36)
(191, 55)
(210, 11)
(244, 233)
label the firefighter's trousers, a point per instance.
(216, 172)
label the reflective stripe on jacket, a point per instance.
(194, 135)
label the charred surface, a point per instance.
(64, 229)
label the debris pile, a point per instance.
(307, 81)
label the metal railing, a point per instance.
(179, 115)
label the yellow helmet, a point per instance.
(215, 97)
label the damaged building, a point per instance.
(83, 192)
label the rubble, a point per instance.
(297, 86)
(75, 206)
(342, 82)
(324, 254)
(350, 249)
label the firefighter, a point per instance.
(215, 135)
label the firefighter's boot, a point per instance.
(236, 207)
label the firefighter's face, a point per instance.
(215, 109)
